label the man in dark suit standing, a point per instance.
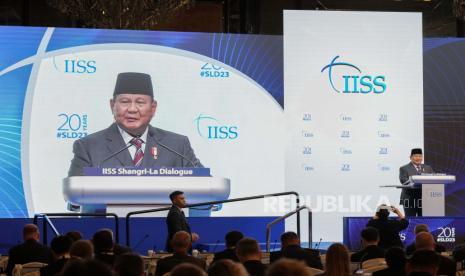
(29, 251)
(410, 198)
(181, 244)
(176, 220)
(290, 248)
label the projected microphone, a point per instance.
(216, 244)
(194, 164)
(317, 246)
(114, 154)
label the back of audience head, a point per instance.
(248, 249)
(337, 260)
(383, 212)
(395, 257)
(227, 267)
(181, 242)
(187, 269)
(81, 249)
(288, 267)
(103, 241)
(424, 261)
(86, 268)
(289, 238)
(129, 265)
(74, 235)
(370, 235)
(424, 240)
(60, 245)
(419, 228)
(31, 232)
(232, 238)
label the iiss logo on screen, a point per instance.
(75, 65)
(354, 81)
(211, 128)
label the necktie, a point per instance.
(137, 142)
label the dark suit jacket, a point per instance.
(367, 253)
(311, 257)
(389, 231)
(106, 257)
(255, 268)
(53, 268)
(405, 172)
(447, 266)
(91, 150)
(390, 272)
(175, 221)
(228, 253)
(167, 264)
(29, 251)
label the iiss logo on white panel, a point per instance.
(348, 78)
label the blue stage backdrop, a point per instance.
(444, 114)
(448, 231)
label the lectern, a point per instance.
(145, 190)
(432, 192)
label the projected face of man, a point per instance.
(416, 159)
(133, 112)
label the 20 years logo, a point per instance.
(72, 126)
(352, 79)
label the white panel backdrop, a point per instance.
(342, 146)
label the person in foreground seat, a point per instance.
(60, 247)
(288, 267)
(231, 238)
(425, 241)
(29, 251)
(337, 261)
(290, 248)
(187, 269)
(181, 243)
(420, 228)
(129, 265)
(370, 248)
(249, 254)
(226, 267)
(396, 261)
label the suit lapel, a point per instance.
(149, 160)
(116, 143)
(413, 170)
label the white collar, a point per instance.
(128, 137)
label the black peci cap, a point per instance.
(133, 83)
(416, 151)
